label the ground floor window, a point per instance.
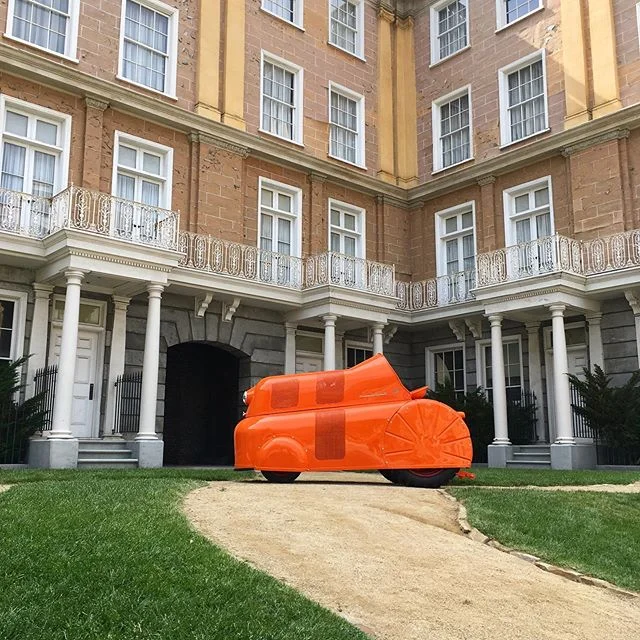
(446, 366)
(357, 354)
(13, 312)
(512, 352)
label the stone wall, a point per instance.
(619, 340)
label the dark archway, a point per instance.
(201, 404)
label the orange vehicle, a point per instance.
(357, 419)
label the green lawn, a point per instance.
(108, 555)
(594, 533)
(545, 478)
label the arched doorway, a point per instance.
(201, 404)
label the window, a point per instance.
(346, 118)
(346, 229)
(13, 316)
(452, 129)
(455, 251)
(346, 29)
(529, 225)
(357, 354)
(148, 45)
(33, 160)
(512, 352)
(281, 104)
(289, 10)
(445, 365)
(449, 29)
(47, 24)
(523, 99)
(142, 184)
(510, 11)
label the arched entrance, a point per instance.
(201, 404)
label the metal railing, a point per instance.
(436, 292)
(127, 411)
(611, 253)
(581, 428)
(24, 214)
(45, 384)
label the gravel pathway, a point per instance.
(392, 560)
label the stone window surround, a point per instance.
(434, 36)
(19, 298)
(360, 115)
(430, 373)
(295, 217)
(441, 255)
(361, 219)
(437, 125)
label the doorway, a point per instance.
(201, 405)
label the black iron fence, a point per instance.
(522, 416)
(128, 392)
(623, 456)
(13, 440)
(581, 428)
(45, 384)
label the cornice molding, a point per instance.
(583, 145)
(485, 180)
(220, 143)
(96, 103)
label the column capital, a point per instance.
(120, 302)
(155, 290)
(74, 276)
(42, 291)
(557, 310)
(386, 15)
(291, 326)
(532, 327)
(96, 103)
(594, 318)
(329, 320)
(378, 326)
(634, 301)
(495, 320)
(485, 180)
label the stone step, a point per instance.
(529, 464)
(534, 455)
(107, 463)
(102, 453)
(116, 445)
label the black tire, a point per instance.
(424, 478)
(281, 477)
(390, 474)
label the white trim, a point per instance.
(71, 36)
(172, 46)
(298, 14)
(295, 216)
(298, 88)
(354, 344)
(508, 197)
(142, 144)
(430, 374)
(503, 91)
(466, 207)
(18, 328)
(501, 15)
(62, 120)
(361, 224)
(481, 368)
(359, 52)
(435, 58)
(436, 123)
(360, 107)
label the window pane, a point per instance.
(451, 224)
(46, 132)
(282, 8)
(350, 246)
(13, 165)
(150, 193)
(522, 203)
(6, 314)
(16, 123)
(266, 198)
(349, 222)
(127, 157)
(335, 218)
(42, 22)
(467, 220)
(151, 163)
(335, 242)
(285, 202)
(452, 30)
(542, 197)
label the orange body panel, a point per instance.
(361, 418)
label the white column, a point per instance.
(378, 338)
(596, 351)
(39, 333)
(535, 373)
(634, 301)
(149, 395)
(290, 347)
(501, 427)
(116, 359)
(329, 342)
(340, 363)
(564, 428)
(61, 422)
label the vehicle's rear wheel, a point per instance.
(281, 477)
(424, 478)
(390, 474)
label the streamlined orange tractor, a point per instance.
(357, 419)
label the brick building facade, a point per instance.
(194, 195)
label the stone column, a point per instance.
(207, 67)
(596, 351)
(39, 333)
(234, 58)
(93, 126)
(564, 427)
(535, 374)
(386, 142)
(378, 338)
(340, 362)
(329, 342)
(574, 62)
(290, 347)
(61, 423)
(116, 359)
(501, 427)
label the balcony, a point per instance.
(436, 292)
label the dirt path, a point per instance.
(392, 560)
(4, 487)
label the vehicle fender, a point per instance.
(282, 453)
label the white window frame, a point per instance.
(120, 137)
(298, 88)
(481, 360)
(508, 199)
(436, 118)
(18, 329)
(429, 352)
(441, 256)
(298, 14)
(172, 46)
(503, 90)
(62, 120)
(355, 344)
(71, 39)
(361, 220)
(501, 14)
(295, 217)
(435, 37)
(360, 115)
(359, 52)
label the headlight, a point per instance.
(245, 397)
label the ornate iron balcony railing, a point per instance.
(436, 292)
(24, 214)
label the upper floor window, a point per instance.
(281, 104)
(346, 117)
(510, 11)
(346, 28)
(346, 229)
(523, 99)
(47, 24)
(148, 45)
(279, 221)
(449, 29)
(452, 129)
(289, 10)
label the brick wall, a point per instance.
(628, 48)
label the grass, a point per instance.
(594, 533)
(108, 555)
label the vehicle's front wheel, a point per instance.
(390, 474)
(281, 477)
(424, 478)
